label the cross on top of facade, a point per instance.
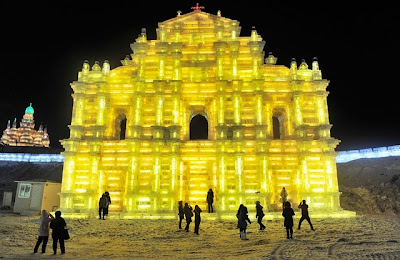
(197, 8)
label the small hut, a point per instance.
(33, 196)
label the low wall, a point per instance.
(379, 152)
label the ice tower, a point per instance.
(25, 134)
(135, 129)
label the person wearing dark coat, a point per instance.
(243, 218)
(108, 202)
(210, 200)
(304, 214)
(197, 219)
(102, 205)
(288, 214)
(188, 211)
(44, 231)
(260, 215)
(58, 225)
(181, 214)
(237, 215)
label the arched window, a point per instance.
(198, 128)
(122, 127)
(276, 127)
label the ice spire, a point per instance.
(317, 75)
(293, 68)
(303, 65)
(96, 66)
(271, 59)
(106, 67)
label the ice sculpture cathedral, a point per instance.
(135, 129)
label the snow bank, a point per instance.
(370, 185)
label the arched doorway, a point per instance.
(276, 127)
(198, 128)
(122, 127)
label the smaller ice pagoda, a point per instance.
(25, 134)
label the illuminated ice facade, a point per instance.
(267, 126)
(25, 134)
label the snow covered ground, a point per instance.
(364, 237)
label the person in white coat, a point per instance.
(44, 230)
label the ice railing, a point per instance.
(342, 157)
(27, 157)
(378, 152)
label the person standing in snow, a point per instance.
(210, 200)
(284, 196)
(304, 214)
(259, 215)
(238, 213)
(58, 225)
(44, 222)
(288, 214)
(243, 218)
(188, 211)
(108, 202)
(181, 214)
(102, 205)
(197, 219)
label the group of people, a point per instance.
(187, 212)
(243, 218)
(58, 225)
(104, 202)
(288, 213)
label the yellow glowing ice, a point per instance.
(268, 126)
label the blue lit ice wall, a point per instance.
(378, 152)
(342, 157)
(27, 157)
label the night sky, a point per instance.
(43, 49)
